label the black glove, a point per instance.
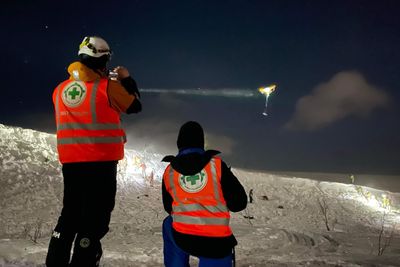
(130, 85)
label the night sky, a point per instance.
(336, 64)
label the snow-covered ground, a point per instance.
(284, 226)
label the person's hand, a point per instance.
(122, 72)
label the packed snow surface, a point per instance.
(291, 221)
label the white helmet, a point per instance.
(94, 46)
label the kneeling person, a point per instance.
(199, 191)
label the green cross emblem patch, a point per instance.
(193, 183)
(74, 94)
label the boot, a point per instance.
(59, 251)
(87, 252)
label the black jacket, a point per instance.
(234, 195)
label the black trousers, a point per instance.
(89, 198)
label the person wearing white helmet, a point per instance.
(94, 52)
(90, 142)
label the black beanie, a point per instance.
(190, 135)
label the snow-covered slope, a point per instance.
(284, 226)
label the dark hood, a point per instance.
(191, 135)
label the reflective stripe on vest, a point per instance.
(210, 216)
(197, 207)
(199, 220)
(87, 126)
(90, 140)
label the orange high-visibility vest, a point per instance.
(88, 129)
(198, 206)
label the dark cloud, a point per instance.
(346, 94)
